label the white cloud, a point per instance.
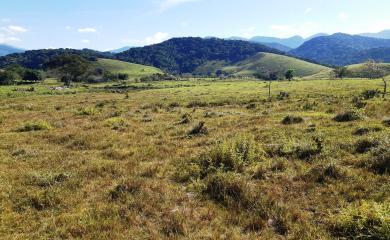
(167, 4)
(343, 16)
(287, 30)
(154, 39)
(85, 41)
(87, 30)
(68, 27)
(12, 29)
(8, 40)
(308, 10)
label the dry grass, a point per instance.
(115, 166)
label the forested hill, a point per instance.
(35, 59)
(184, 55)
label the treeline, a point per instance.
(184, 55)
(14, 73)
(36, 59)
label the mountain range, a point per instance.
(342, 49)
(6, 49)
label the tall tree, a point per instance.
(71, 68)
(372, 69)
(340, 72)
(290, 74)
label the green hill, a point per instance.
(264, 63)
(357, 70)
(134, 70)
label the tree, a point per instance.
(340, 72)
(8, 77)
(290, 74)
(71, 68)
(32, 75)
(372, 70)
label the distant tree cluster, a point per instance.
(75, 68)
(14, 73)
(158, 77)
(36, 59)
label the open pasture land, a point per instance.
(196, 159)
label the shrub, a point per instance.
(351, 115)
(367, 220)
(127, 187)
(369, 94)
(116, 123)
(226, 188)
(358, 102)
(288, 120)
(380, 162)
(34, 126)
(185, 119)
(365, 145)
(87, 111)
(199, 129)
(197, 104)
(231, 155)
(386, 122)
(366, 130)
(321, 174)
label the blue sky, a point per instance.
(110, 24)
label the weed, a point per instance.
(34, 126)
(288, 120)
(351, 115)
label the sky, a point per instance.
(111, 24)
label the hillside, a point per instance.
(265, 63)
(35, 59)
(358, 71)
(5, 50)
(133, 70)
(184, 55)
(343, 49)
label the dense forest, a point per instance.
(184, 55)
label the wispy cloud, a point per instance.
(168, 4)
(13, 29)
(154, 39)
(85, 41)
(87, 30)
(10, 34)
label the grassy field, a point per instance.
(195, 159)
(269, 62)
(134, 70)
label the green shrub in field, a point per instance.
(288, 120)
(366, 130)
(368, 220)
(34, 126)
(365, 145)
(87, 111)
(380, 161)
(116, 123)
(350, 115)
(386, 122)
(232, 155)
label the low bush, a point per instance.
(185, 119)
(116, 123)
(365, 145)
(34, 126)
(366, 130)
(87, 111)
(367, 220)
(351, 115)
(380, 162)
(369, 94)
(386, 122)
(126, 187)
(288, 120)
(199, 129)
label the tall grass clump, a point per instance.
(380, 161)
(350, 115)
(368, 220)
(34, 126)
